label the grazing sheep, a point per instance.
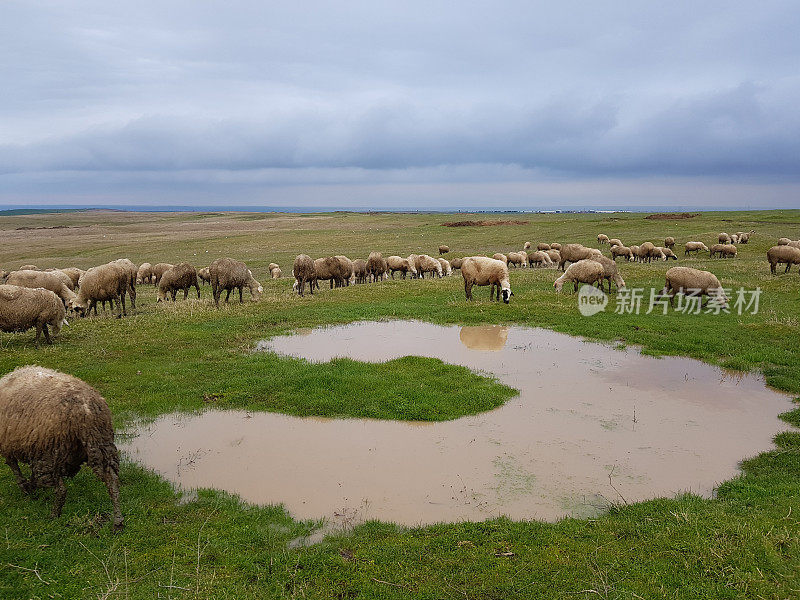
(555, 256)
(360, 270)
(543, 247)
(517, 259)
(275, 273)
(55, 423)
(44, 279)
(326, 269)
(204, 275)
(376, 266)
(614, 242)
(744, 236)
(694, 247)
(734, 238)
(526, 246)
(158, 270)
(100, 284)
(610, 273)
(456, 263)
(500, 256)
(635, 252)
(693, 282)
(602, 238)
(575, 252)
(669, 242)
(784, 241)
(447, 270)
(74, 274)
(63, 277)
(724, 250)
(22, 308)
(228, 274)
(444, 250)
(345, 274)
(539, 259)
(480, 270)
(588, 271)
(555, 246)
(724, 238)
(794, 243)
(180, 277)
(617, 251)
(647, 252)
(28, 268)
(130, 270)
(783, 254)
(145, 273)
(666, 253)
(303, 271)
(427, 264)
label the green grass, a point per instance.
(189, 356)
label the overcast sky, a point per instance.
(408, 104)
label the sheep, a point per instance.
(583, 271)
(131, 271)
(447, 270)
(543, 247)
(647, 252)
(617, 251)
(526, 246)
(634, 253)
(501, 257)
(784, 241)
(610, 272)
(360, 270)
(602, 238)
(783, 254)
(28, 268)
(47, 280)
(744, 236)
(666, 253)
(345, 275)
(724, 250)
(145, 273)
(376, 266)
(275, 273)
(669, 242)
(456, 263)
(22, 308)
(574, 253)
(204, 275)
(724, 238)
(428, 264)
(325, 269)
(180, 277)
(614, 242)
(158, 270)
(303, 271)
(694, 247)
(228, 274)
(539, 258)
(99, 284)
(63, 277)
(794, 243)
(554, 255)
(480, 270)
(734, 238)
(55, 423)
(693, 282)
(555, 246)
(443, 249)
(518, 258)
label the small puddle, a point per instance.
(590, 426)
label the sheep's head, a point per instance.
(505, 290)
(558, 283)
(412, 269)
(255, 290)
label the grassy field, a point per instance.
(189, 356)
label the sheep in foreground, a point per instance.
(517, 259)
(539, 259)
(480, 270)
(101, 284)
(602, 238)
(131, 271)
(204, 275)
(783, 254)
(228, 274)
(145, 273)
(360, 270)
(617, 251)
(376, 266)
(669, 242)
(724, 238)
(571, 253)
(443, 249)
(180, 277)
(583, 271)
(456, 263)
(694, 247)
(303, 271)
(614, 242)
(724, 250)
(158, 270)
(610, 273)
(55, 422)
(501, 257)
(693, 282)
(44, 279)
(427, 264)
(22, 308)
(447, 270)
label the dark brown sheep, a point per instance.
(22, 308)
(55, 422)
(376, 266)
(180, 277)
(303, 271)
(158, 270)
(228, 274)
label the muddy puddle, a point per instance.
(591, 425)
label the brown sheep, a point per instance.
(403, 265)
(555, 246)
(360, 270)
(724, 250)
(618, 251)
(574, 253)
(55, 422)
(303, 271)
(376, 266)
(539, 258)
(74, 274)
(517, 259)
(63, 277)
(695, 247)
(554, 254)
(610, 273)
(602, 238)
(783, 254)
(204, 275)
(688, 281)
(480, 270)
(583, 271)
(145, 273)
(47, 280)
(131, 271)
(427, 264)
(444, 250)
(500, 256)
(345, 270)
(614, 242)
(647, 252)
(227, 275)
(28, 268)
(724, 238)
(180, 277)
(456, 263)
(276, 273)
(784, 241)
(22, 308)
(669, 242)
(99, 284)
(543, 247)
(327, 269)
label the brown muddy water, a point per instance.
(591, 425)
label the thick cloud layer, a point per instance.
(254, 97)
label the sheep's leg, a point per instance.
(132, 292)
(47, 334)
(61, 496)
(468, 289)
(228, 295)
(197, 287)
(124, 312)
(788, 266)
(23, 483)
(576, 287)
(240, 295)
(38, 335)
